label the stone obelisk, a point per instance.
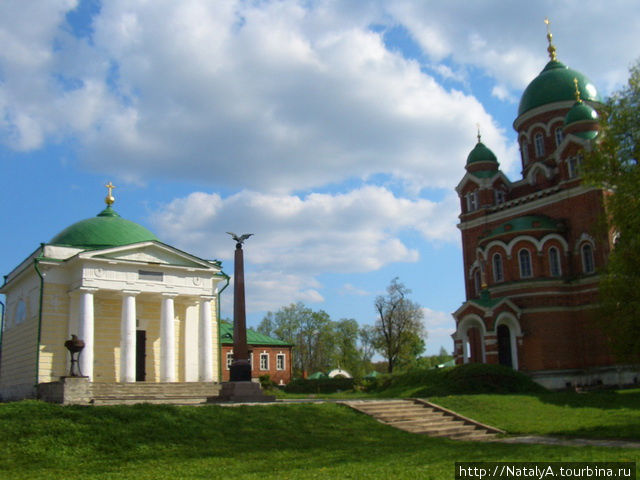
(240, 370)
(240, 388)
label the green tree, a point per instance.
(347, 355)
(613, 165)
(267, 325)
(310, 332)
(367, 337)
(399, 329)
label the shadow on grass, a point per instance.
(606, 399)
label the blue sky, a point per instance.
(334, 131)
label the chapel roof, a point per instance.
(107, 229)
(555, 83)
(253, 337)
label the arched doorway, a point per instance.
(474, 338)
(505, 356)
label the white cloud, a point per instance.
(299, 238)
(271, 96)
(502, 93)
(355, 231)
(506, 40)
(439, 326)
(349, 289)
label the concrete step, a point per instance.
(390, 416)
(393, 410)
(419, 421)
(418, 416)
(183, 393)
(153, 400)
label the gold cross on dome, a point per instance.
(575, 82)
(110, 198)
(551, 48)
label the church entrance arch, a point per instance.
(507, 332)
(504, 346)
(474, 338)
(471, 332)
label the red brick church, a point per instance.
(531, 247)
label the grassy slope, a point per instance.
(281, 441)
(593, 415)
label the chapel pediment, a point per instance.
(151, 253)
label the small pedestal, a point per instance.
(67, 391)
(242, 392)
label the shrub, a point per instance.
(462, 379)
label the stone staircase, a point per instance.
(420, 416)
(188, 393)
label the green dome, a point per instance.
(555, 84)
(481, 153)
(105, 230)
(581, 112)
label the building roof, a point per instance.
(253, 337)
(481, 153)
(523, 224)
(555, 83)
(105, 230)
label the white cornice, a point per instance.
(508, 211)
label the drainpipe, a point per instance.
(2, 326)
(227, 278)
(35, 264)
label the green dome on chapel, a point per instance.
(105, 230)
(581, 112)
(556, 84)
(481, 153)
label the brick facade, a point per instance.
(279, 373)
(268, 355)
(532, 250)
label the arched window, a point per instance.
(587, 259)
(555, 268)
(497, 268)
(559, 136)
(476, 281)
(524, 258)
(525, 152)
(538, 141)
(472, 201)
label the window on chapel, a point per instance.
(497, 268)
(554, 262)
(264, 361)
(587, 259)
(524, 258)
(280, 361)
(538, 142)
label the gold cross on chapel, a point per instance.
(110, 198)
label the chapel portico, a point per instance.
(146, 311)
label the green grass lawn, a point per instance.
(593, 415)
(42, 441)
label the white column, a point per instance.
(85, 331)
(128, 337)
(167, 340)
(205, 341)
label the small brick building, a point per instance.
(532, 248)
(268, 356)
